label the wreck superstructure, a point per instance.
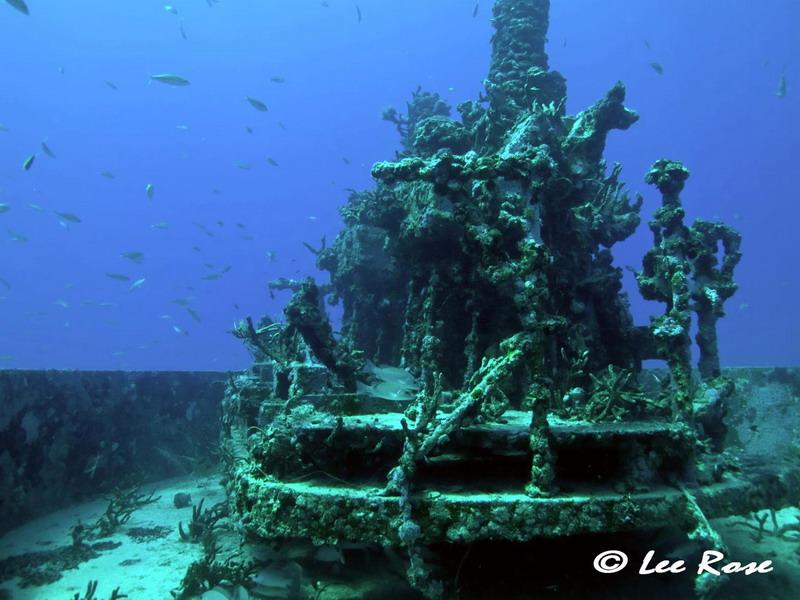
(486, 383)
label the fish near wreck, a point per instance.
(170, 79)
(20, 6)
(257, 104)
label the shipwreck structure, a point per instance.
(486, 385)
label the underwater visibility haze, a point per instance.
(336, 300)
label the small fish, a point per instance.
(61, 70)
(165, 317)
(744, 306)
(28, 162)
(107, 174)
(182, 30)
(36, 207)
(277, 79)
(118, 276)
(204, 229)
(281, 125)
(194, 314)
(247, 238)
(137, 284)
(475, 10)
(170, 9)
(160, 225)
(781, 93)
(346, 160)
(134, 255)
(149, 190)
(358, 12)
(3, 127)
(248, 129)
(657, 67)
(271, 256)
(244, 166)
(111, 85)
(183, 127)
(4, 208)
(179, 331)
(72, 218)
(170, 79)
(17, 236)
(257, 104)
(272, 161)
(20, 6)
(647, 44)
(46, 149)
(212, 277)
(5, 283)
(62, 303)
(241, 225)
(180, 301)
(7, 357)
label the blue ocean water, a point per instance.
(326, 75)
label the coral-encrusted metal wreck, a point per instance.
(480, 268)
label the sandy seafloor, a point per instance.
(153, 568)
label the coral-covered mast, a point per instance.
(519, 72)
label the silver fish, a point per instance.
(781, 93)
(257, 104)
(68, 216)
(46, 149)
(134, 256)
(170, 79)
(20, 6)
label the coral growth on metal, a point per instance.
(486, 346)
